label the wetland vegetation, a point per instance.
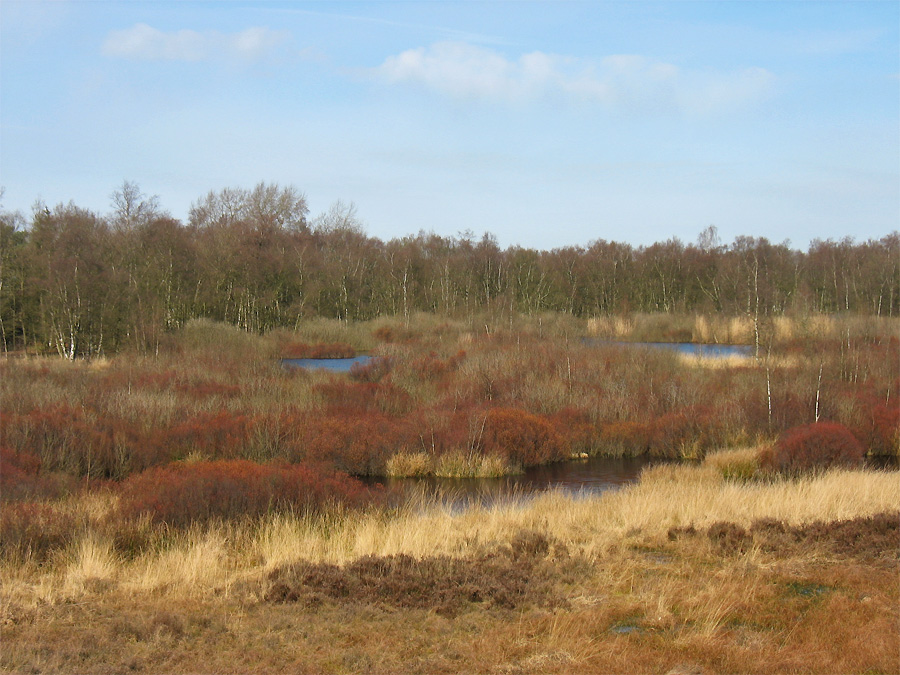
(197, 509)
(172, 498)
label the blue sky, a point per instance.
(547, 124)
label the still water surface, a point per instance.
(578, 477)
(334, 365)
(691, 348)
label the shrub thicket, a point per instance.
(817, 446)
(524, 439)
(181, 494)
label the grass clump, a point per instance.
(735, 464)
(458, 464)
(409, 465)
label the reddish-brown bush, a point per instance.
(342, 396)
(204, 388)
(180, 494)
(22, 461)
(431, 367)
(372, 370)
(684, 434)
(669, 434)
(879, 426)
(815, 446)
(576, 431)
(505, 578)
(524, 439)
(339, 393)
(33, 530)
(356, 442)
(52, 434)
(21, 479)
(75, 441)
(163, 380)
(395, 333)
(729, 537)
(625, 438)
(215, 435)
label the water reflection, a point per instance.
(689, 348)
(581, 477)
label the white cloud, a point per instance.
(627, 82)
(711, 93)
(143, 42)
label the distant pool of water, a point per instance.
(333, 365)
(690, 348)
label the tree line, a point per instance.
(78, 283)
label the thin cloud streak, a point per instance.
(623, 82)
(465, 36)
(145, 43)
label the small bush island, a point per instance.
(817, 446)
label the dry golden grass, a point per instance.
(471, 465)
(631, 599)
(736, 463)
(720, 362)
(405, 464)
(667, 496)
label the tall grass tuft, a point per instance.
(458, 464)
(407, 465)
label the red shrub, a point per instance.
(343, 396)
(21, 479)
(373, 370)
(180, 494)
(358, 443)
(886, 430)
(576, 431)
(219, 435)
(22, 461)
(684, 434)
(73, 441)
(440, 430)
(625, 438)
(347, 395)
(878, 427)
(395, 333)
(523, 438)
(163, 380)
(53, 434)
(430, 367)
(33, 530)
(335, 350)
(813, 446)
(669, 434)
(393, 400)
(208, 388)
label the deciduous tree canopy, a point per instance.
(78, 282)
